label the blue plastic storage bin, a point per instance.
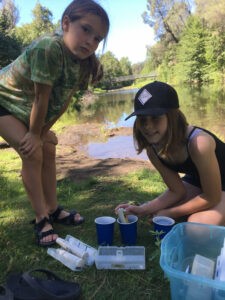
(178, 249)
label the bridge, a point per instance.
(152, 75)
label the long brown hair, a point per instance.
(91, 66)
(175, 135)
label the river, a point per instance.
(204, 107)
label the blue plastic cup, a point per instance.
(128, 231)
(105, 230)
(162, 225)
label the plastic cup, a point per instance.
(162, 225)
(128, 231)
(105, 230)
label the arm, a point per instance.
(48, 125)
(173, 195)
(202, 151)
(175, 192)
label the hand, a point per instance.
(30, 143)
(130, 209)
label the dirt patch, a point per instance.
(73, 161)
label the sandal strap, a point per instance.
(41, 224)
(69, 219)
(38, 227)
(54, 216)
(42, 234)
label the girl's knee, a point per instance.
(207, 217)
(35, 157)
(49, 150)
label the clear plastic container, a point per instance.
(72, 248)
(178, 250)
(69, 260)
(203, 266)
(83, 248)
(120, 258)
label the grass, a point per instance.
(95, 197)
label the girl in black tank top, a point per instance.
(190, 159)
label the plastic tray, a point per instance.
(120, 258)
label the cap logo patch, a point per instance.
(144, 96)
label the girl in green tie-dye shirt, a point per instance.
(35, 91)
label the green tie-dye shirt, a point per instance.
(46, 61)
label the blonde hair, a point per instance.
(175, 135)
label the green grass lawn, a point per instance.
(95, 197)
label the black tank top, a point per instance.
(188, 167)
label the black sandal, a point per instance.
(68, 220)
(41, 234)
(5, 293)
(41, 284)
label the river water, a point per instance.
(204, 107)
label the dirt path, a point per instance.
(73, 161)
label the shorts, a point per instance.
(196, 181)
(4, 112)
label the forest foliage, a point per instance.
(189, 41)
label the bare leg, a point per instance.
(31, 175)
(12, 130)
(49, 174)
(214, 215)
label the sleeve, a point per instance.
(46, 62)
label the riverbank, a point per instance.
(73, 160)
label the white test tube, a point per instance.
(71, 261)
(84, 247)
(122, 218)
(72, 248)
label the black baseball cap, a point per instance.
(155, 99)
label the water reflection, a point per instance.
(203, 107)
(115, 147)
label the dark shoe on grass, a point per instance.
(40, 234)
(5, 293)
(40, 284)
(68, 220)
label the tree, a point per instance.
(9, 46)
(9, 50)
(154, 57)
(137, 68)
(42, 21)
(9, 16)
(111, 67)
(125, 65)
(126, 69)
(192, 50)
(41, 24)
(212, 11)
(167, 17)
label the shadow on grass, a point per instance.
(92, 198)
